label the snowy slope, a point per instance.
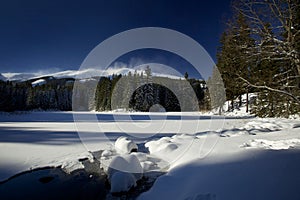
(259, 160)
(38, 82)
(2, 78)
(19, 76)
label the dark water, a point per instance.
(54, 183)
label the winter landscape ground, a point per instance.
(203, 156)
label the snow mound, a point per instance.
(124, 146)
(123, 172)
(125, 163)
(163, 145)
(274, 145)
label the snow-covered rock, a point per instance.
(125, 163)
(122, 182)
(123, 145)
(123, 172)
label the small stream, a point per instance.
(54, 183)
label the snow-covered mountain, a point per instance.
(157, 70)
(18, 76)
(2, 78)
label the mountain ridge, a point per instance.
(83, 74)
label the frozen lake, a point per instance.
(177, 143)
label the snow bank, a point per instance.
(175, 150)
(260, 176)
(230, 172)
(269, 144)
(124, 146)
(72, 165)
(261, 126)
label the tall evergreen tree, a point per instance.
(260, 44)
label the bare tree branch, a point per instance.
(270, 89)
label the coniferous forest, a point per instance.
(57, 94)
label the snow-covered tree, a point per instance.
(269, 64)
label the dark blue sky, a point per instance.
(49, 34)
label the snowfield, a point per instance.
(204, 156)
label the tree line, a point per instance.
(132, 92)
(141, 91)
(20, 96)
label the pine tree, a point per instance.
(234, 58)
(186, 75)
(260, 50)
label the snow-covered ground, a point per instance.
(205, 156)
(259, 160)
